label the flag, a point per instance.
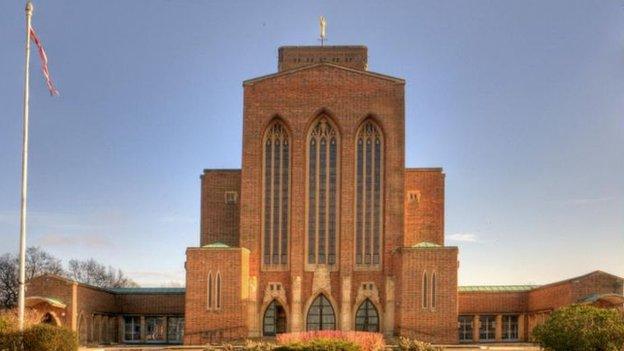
(44, 63)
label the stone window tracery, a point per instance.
(322, 178)
(276, 195)
(367, 317)
(368, 206)
(321, 315)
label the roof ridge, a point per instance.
(297, 69)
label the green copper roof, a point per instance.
(148, 290)
(217, 245)
(496, 288)
(426, 244)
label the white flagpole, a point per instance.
(22, 245)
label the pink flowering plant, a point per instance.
(366, 341)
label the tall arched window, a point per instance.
(367, 317)
(209, 294)
(218, 291)
(276, 194)
(425, 290)
(321, 315)
(274, 321)
(368, 203)
(322, 206)
(433, 289)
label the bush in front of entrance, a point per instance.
(44, 337)
(407, 344)
(320, 345)
(365, 341)
(40, 337)
(581, 328)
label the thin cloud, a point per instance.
(463, 237)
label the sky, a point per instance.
(521, 103)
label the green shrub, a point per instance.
(10, 341)
(407, 344)
(40, 337)
(319, 345)
(581, 328)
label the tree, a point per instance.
(94, 273)
(581, 328)
(38, 262)
(8, 281)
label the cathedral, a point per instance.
(322, 228)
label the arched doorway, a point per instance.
(274, 321)
(321, 315)
(367, 317)
(48, 318)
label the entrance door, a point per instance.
(274, 319)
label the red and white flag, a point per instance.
(44, 63)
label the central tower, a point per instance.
(311, 233)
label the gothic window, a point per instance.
(369, 185)
(274, 321)
(321, 315)
(209, 294)
(218, 291)
(276, 194)
(433, 289)
(322, 207)
(366, 317)
(425, 290)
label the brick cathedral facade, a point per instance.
(323, 227)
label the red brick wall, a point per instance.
(492, 302)
(437, 325)
(424, 206)
(201, 324)
(219, 220)
(348, 97)
(170, 304)
(290, 57)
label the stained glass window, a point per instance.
(433, 289)
(274, 321)
(321, 315)
(366, 317)
(218, 291)
(276, 194)
(425, 290)
(322, 227)
(368, 189)
(209, 294)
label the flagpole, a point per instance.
(22, 245)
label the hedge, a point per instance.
(318, 345)
(40, 337)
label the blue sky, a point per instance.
(521, 102)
